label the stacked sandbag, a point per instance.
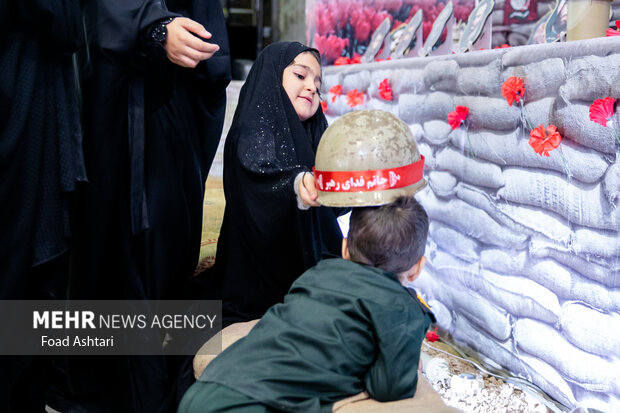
(523, 250)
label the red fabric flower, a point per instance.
(458, 116)
(432, 336)
(357, 58)
(513, 89)
(543, 143)
(385, 91)
(355, 98)
(601, 110)
(323, 105)
(612, 32)
(336, 90)
(342, 60)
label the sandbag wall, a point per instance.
(524, 263)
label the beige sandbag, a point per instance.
(227, 336)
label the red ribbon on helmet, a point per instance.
(369, 181)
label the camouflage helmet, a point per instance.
(367, 158)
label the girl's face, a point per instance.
(301, 81)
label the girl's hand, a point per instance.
(307, 190)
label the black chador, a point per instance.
(151, 129)
(265, 241)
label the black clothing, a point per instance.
(40, 164)
(40, 149)
(343, 328)
(265, 241)
(150, 133)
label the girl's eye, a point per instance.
(300, 77)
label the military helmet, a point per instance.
(367, 158)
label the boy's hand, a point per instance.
(185, 49)
(307, 190)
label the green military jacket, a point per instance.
(343, 328)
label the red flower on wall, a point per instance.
(543, 141)
(602, 110)
(330, 46)
(342, 60)
(432, 336)
(612, 32)
(336, 90)
(456, 118)
(513, 89)
(355, 98)
(385, 91)
(323, 105)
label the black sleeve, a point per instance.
(117, 27)
(55, 22)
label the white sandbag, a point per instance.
(442, 314)
(577, 202)
(503, 261)
(591, 330)
(357, 80)
(454, 242)
(566, 51)
(339, 107)
(420, 108)
(586, 165)
(569, 285)
(442, 183)
(378, 76)
(600, 243)
(468, 169)
(441, 74)
(537, 113)
(602, 402)
(611, 184)
(541, 248)
(538, 221)
(592, 77)
(521, 297)
(541, 79)
(470, 221)
(589, 370)
(573, 122)
(480, 80)
(501, 353)
(408, 81)
(437, 132)
(548, 379)
(488, 113)
(448, 286)
(381, 104)
(480, 199)
(429, 159)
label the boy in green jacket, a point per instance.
(346, 326)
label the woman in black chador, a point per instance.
(40, 165)
(269, 236)
(153, 86)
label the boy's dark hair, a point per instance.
(391, 237)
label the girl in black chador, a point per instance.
(270, 235)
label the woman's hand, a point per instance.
(185, 49)
(307, 190)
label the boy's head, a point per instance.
(391, 237)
